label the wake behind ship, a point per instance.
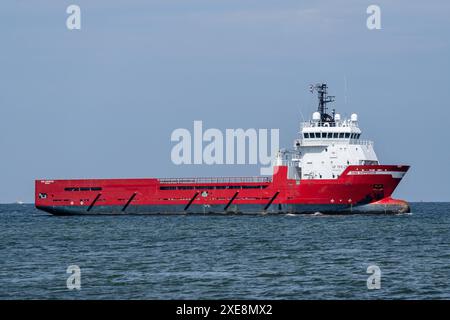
(329, 170)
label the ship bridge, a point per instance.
(316, 132)
(328, 144)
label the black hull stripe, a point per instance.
(247, 209)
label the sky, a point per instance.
(102, 102)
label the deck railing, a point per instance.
(338, 124)
(361, 142)
(326, 141)
(217, 180)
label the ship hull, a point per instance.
(359, 189)
(387, 207)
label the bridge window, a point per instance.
(317, 135)
(330, 135)
(306, 135)
(324, 134)
(341, 135)
(347, 135)
(335, 135)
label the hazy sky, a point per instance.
(101, 102)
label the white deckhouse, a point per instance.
(327, 144)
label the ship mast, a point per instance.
(324, 98)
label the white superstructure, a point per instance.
(327, 145)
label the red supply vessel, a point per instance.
(330, 170)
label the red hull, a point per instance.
(357, 187)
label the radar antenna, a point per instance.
(324, 98)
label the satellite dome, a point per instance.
(354, 117)
(316, 116)
(337, 117)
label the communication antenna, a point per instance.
(301, 114)
(324, 98)
(345, 90)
